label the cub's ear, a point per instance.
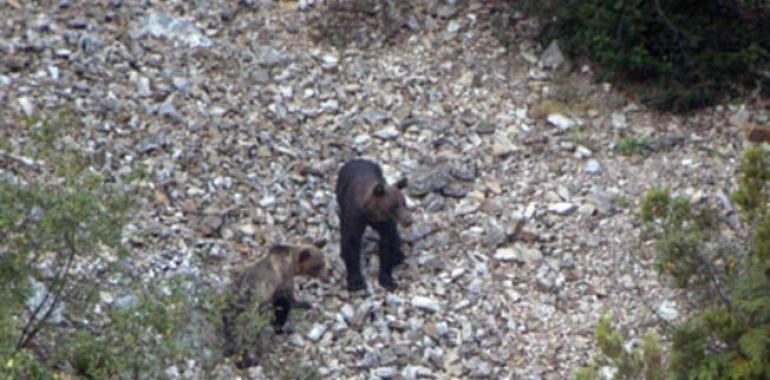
(402, 183)
(320, 243)
(379, 190)
(304, 255)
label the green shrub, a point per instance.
(624, 363)
(630, 146)
(681, 54)
(63, 214)
(727, 336)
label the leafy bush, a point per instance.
(622, 362)
(61, 225)
(728, 334)
(682, 54)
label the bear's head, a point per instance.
(387, 203)
(310, 261)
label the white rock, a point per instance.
(412, 372)
(387, 133)
(317, 332)
(668, 311)
(347, 312)
(248, 229)
(593, 167)
(385, 372)
(561, 121)
(619, 120)
(466, 207)
(426, 303)
(26, 105)
(330, 61)
(562, 208)
(583, 152)
(296, 340)
(506, 254)
(267, 201)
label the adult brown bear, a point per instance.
(366, 199)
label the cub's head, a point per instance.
(386, 203)
(309, 261)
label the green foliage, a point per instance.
(68, 215)
(678, 53)
(730, 336)
(631, 146)
(638, 363)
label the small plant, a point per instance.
(631, 146)
(622, 362)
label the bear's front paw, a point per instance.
(387, 282)
(281, 329)
(356, 284)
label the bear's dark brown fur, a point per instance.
(269, 282)
(366, 199)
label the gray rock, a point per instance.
(426, 303)
(562, 208)
(385, 372)
(428, 181)
(552, 57)
(485, 128)
(374, 117)
(740, 118)
(269, 56)
(40, 296)
(593, 167)
(453, 27)
(454, 190)
(387, 133)
(668, 311)
(619, 120)
(466, 207)
(463, 170)
(159, 24)
(434, 202)
(317, 332)
(26, 105)
(446, 11)
(560, 121)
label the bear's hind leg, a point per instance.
(390, 253)
(351, 255)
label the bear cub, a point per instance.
(366, 199)
(269, 283)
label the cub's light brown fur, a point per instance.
(269, 282)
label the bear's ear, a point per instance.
(379, 190)
(304, 255)
(402, 183)
(320, 243)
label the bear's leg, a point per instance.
(390, 253)
(282, 307)
(351, 254)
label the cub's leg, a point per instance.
(282, 308)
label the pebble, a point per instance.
(562, 208)
(562, 122)
(618, 120)
(593, 167)
(316, 333)
(426, 303)
(387, 133)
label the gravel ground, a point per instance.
(242, 112)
